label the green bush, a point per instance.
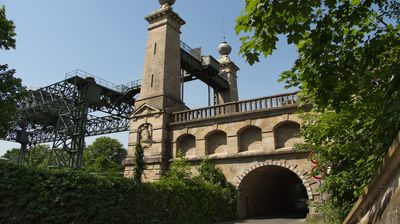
(29, 195)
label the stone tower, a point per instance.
(160, 92)
(228, 69)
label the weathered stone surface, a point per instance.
(380, 202)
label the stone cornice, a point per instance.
(234, 156)
(230, 65)
(162, 13)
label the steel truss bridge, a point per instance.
(64, 113)
(82, 105)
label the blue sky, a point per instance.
(107, 38)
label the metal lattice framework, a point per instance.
(82, 105)
(66, 112)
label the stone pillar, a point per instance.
(160, 93)
(229, 71)
(161, 82)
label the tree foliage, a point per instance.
(105, 154)
(206, 175)
(348, 68)
(11, 89)
(38, 156)
(210, 173)
(7, 31)
(179, 169)
(12, 155)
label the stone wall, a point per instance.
(242, 134)
(240, 144)
(380, 202)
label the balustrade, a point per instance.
(263, 103)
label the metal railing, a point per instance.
(131, 85)
(190, 51)
(118, 88)
(269, 102)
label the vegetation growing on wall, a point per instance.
(348, 67)
(139, 163)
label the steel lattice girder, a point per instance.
(41, 110)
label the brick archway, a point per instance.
(300, 174)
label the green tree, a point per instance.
(11, 89)
(7, 31)
(348, 68)
(37, 157)
(209, 172)
(105, 154)
(12, 155)
(179, 169)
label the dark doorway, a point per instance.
(272, 191)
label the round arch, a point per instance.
(258, 186)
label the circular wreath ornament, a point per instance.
(169, 2)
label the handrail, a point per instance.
(119, 88)
(268, 102)
(190, 51)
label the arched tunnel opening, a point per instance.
(272, 192)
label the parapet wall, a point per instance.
(380, 202)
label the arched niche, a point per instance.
(286, 134)
(216, 143)
(186, 144)
(250, 139)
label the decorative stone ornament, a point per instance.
(145, 135)
(224, 48)
(169, 2)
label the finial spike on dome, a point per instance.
(166, 2)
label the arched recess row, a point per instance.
(249, 138)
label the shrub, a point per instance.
(29, 195)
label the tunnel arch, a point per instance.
(272, 189)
